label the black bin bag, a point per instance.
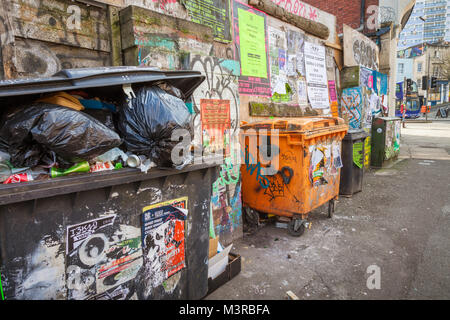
(39, 130)
(147, 122)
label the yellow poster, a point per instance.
(252, 37)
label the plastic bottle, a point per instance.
(5, 172)
(79, 167)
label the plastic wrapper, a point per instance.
(147, 122)
(102, 166)
(4, 156)
(36, 133)
(112, 155)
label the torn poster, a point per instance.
(76, 234)
(163, 239)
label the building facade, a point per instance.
(404, 69)
(428, 23)
(431, 60)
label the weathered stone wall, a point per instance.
(41, 37)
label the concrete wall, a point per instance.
(40, 37)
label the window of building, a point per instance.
(401, 67)
(419, 67)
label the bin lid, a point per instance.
(356, 134)
(388, 118)
(83, 78)
(303, 124)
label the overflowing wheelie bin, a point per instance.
(100, 229)
(289, 168)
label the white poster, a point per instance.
(316, 76)
(302, 93)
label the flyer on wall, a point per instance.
(316, 76)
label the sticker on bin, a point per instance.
(325, 162)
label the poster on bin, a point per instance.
(163, 238)
(78, 233)
(316, 76)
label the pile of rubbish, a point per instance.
(71, 132)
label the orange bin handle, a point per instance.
(293, 142)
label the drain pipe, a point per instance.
(363, 15)
(363, 18)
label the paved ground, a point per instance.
(400, 223)
(426, 140)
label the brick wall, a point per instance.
(346, 11)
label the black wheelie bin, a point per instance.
(116, 234)
(352, 172)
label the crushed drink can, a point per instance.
(19, 177)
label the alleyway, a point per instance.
(399, 223)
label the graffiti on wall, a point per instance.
(169, 7)
(299, 8)
(359, 50)
(228, 175)
(365, 54)
(226, 211)
(211, 13)
(221, 83)
(226, 205)
(166, 50)
(352, 106)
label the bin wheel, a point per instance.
(331, 207)
(296, 227)
(252, 217)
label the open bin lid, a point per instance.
(299, 125)
(82, 78)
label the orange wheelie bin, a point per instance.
(291, 167)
